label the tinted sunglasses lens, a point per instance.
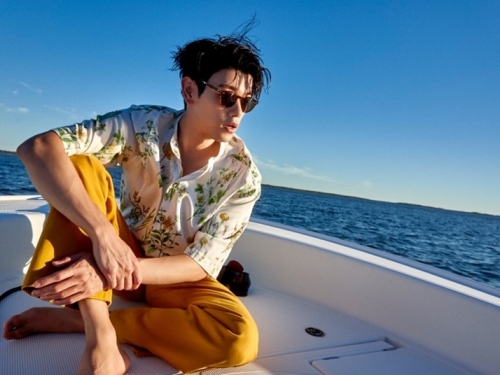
(227, 98)
(248, 104)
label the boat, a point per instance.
(323, 306)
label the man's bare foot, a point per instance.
(42, 319)
(104, 358)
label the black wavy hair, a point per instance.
(201, 58)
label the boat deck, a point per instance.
(349, 346)
(298, 282)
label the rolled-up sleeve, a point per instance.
(107, 137)
(215, 239)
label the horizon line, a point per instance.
(347, 196)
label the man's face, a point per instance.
(218, 122)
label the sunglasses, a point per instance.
(228, 98)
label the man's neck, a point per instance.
(195, 149)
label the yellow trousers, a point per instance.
(190, 325)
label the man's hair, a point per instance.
(201, 58)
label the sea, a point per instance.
(466, 244)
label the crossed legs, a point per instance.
(61, 238)
(189, 325)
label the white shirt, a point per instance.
(201, 214)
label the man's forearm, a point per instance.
(170, 270)
(56, 178)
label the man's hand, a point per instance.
(80, 278)
(116, 261)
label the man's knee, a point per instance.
(244, 346)
(86, 163)
(95, 178)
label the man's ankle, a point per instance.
(95, 316)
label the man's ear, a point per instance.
(189, 90)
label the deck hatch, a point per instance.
(399, 361)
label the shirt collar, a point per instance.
(174, 144)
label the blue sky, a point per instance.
(396, 101)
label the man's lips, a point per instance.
(231, 127)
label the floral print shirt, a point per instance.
(201, 214)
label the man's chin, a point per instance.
(226, 138)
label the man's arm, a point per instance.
(170, 270)
(55, 178)
(81, 278)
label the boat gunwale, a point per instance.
(412, 268)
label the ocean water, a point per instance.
(467, 244)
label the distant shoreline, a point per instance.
(373, 200)
(343, 196)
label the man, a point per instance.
(188, 188)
